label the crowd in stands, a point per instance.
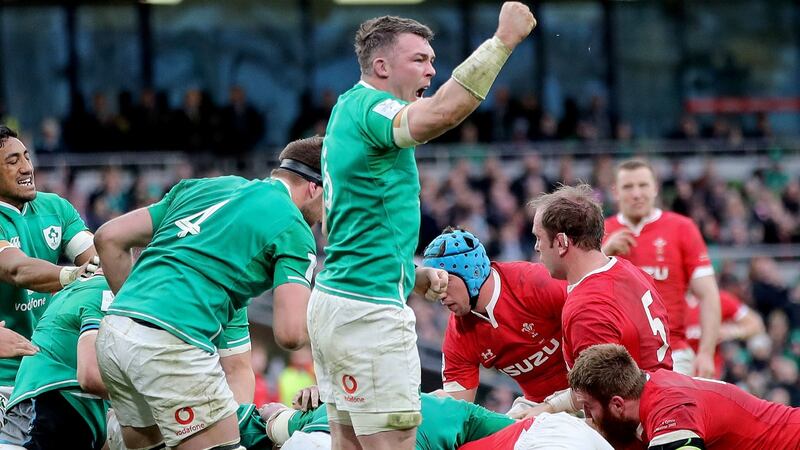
(235, 127)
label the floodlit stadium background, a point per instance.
(119, 99)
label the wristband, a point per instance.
(278, 426)
(68, 275)
(561, 401)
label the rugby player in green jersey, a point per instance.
(447, 424)
(210, 245)
(36, 229)
(62, 378)
(362, 332)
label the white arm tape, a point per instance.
(561, 401)
(278, 426)
(478, 72)
(78, 244)
(402, 135)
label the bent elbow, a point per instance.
(291, 340)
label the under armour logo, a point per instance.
(488, 354)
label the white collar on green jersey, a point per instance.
(367, 85)
(285, 184)
(14, 208)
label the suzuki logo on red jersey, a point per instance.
(535, 360)
(659, 273)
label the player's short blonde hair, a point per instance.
(633, 164)
(607, 370)
(381, 32)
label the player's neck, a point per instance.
(381, 84)
(584, 263)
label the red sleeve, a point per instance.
(668, 411)
(729, 305)
(695, 252)
(592, 323)
(458, 362)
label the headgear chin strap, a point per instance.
(305, 171)
(460, 253)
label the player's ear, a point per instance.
(617, 406)
(380, 67)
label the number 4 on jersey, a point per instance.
(191, 224)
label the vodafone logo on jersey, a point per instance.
(185, 416)
(350, 386)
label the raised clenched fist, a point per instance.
(515, 24)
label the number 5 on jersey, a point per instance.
(656, 325)
(191, 224)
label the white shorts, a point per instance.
(683, 361)
(153, 378)
(560, 432)
(365, 354)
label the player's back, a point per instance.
(723, 415)
(213, 249)
(617, 304)
(670, 248)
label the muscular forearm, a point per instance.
(36, 274)
(431, 117)
(709, 319)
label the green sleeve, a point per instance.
(72, 224)
(159, 209)
(94, 298)
(252, 428)
(378, 109)
(295, 255)
(236, 333)
(482, 422)
(309, 421)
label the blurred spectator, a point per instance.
(49, 140)
(243, 125)
(259, 360)
(298, 374)
(109, 200)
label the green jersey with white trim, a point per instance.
(43, 229)
(74, 311)
(371, 197)
(217, 242)
(235, 335)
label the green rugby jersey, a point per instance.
(216, 243)
(447, 423)
(73, 311)
(371, 196)
(43, 229)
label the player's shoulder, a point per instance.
(48, 201)
(365, 98)
(612, 222)
(672, 219)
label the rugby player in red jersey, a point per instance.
(670, 411)
(669, 247)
